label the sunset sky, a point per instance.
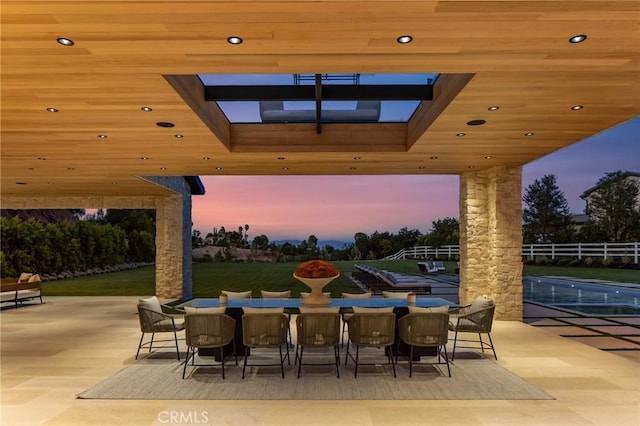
(336, 207)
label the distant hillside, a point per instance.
(337, 244)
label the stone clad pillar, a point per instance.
(491, 238)
(169, 247)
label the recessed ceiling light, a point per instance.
(285, 168)
(71, 168)
(164, 124)
(488, 157)
(21, 183)
(218, 168)
(404, 39)
(471, 167)
(146, 109)
(421, 167)
(65, 41)
(49, 183)
(102, 136)
(206, 158)
(163, 168)
(41, 158)
(52, 109)
(578, 38)
(30, 168)
(493, 108)
(178, 135)
(352, 168)
(433, 157)
(234, 40)
(577, 107)
(529, 134)
(114, 183)
(357, 158)
(461, 134)
(144, 158)
(476, 122)
(281, 158)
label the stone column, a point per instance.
(169, 247)
(491, 238)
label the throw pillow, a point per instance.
(395, 294)
(152, 303)
(250, 310)
(363, 310)
(356, 295)
(419, 310)
(237, 294)
(321, 310)
(275, 294)
(480, 303)
(216, 310)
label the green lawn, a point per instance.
(210, 278)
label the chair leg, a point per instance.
(282, 358)
(139, 345)
(244, 366)
(492, 348)
(300, 360)
(222, 360)
(481, 342)
(411, 361)
(336, 352)
(175, 337)
(344, 328)
(390, 356)
(235, 352)
(455, 341)
(186, 361)
(355, 374)
(151, 343)
(446, 358)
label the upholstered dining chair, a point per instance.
(374, 329)
(348, 312)
(154, 320)
(237, 294)
(280, 295)
(318, 328)
(476, 318)
(425, 329)
(395, 294)
(265, 330)
(208, 329)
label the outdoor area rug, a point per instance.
(472, 378)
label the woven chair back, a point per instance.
(208, 330)
(424, 329)
(264, 330)
(320, 330)
(377, 329)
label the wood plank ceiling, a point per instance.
(517, 51)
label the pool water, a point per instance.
(593, 299)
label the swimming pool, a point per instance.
(588, 298)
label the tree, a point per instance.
(546, 214)
(260, 242)
(444, 232)
(613, 207)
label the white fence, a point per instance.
(552, 251)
